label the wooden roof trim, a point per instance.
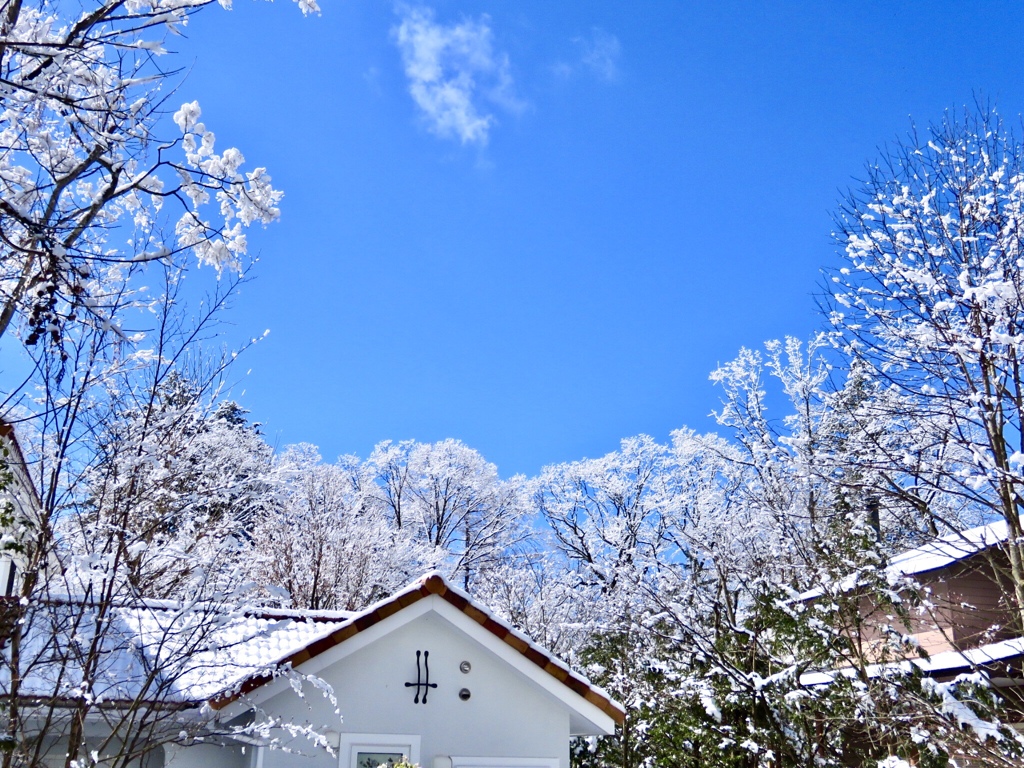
(434, 584)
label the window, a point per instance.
(377, 759)
(377, 750)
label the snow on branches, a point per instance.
(90, 175)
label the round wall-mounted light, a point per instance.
(464, 694)
(464, 667)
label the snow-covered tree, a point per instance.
(96, 436)
(930, 303)
(323, 543)
(608, 515)
(447, 496)
(93, 178)
(626, 525)
(144, 488)
(183, 475)
(717, 673)
(532, 591)
(146, 484)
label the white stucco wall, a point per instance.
(207, 756)
(507, 715)
(54, 752)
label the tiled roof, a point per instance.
(179, 654)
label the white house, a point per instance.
(425, 674)
(428, 675)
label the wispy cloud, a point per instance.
(601, 52)
(598, 53)
(372, 78)
(455, 74)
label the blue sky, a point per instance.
(595, 205)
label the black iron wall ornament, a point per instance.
(422, 681)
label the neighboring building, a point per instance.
(966, 587)
(425, 674)
(962, 596)
(961, 613)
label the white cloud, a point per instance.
(454, 73)
(601, 51)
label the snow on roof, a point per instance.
(936, 554)
(946, 662)
(178, 654)
(188, 655)
(948, 549)
(235, 649)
